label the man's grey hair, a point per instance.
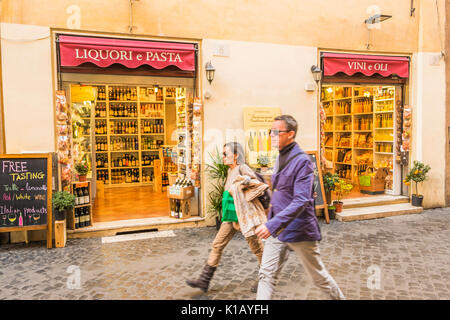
(289, 121)
(236, 148)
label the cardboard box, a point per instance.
(181, 193)
(185, 207)
(172, 178)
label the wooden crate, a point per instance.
(377, 182)
(376, 187)
(71, 217)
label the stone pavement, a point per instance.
(411, 253)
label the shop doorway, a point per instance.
(359, 138)
(132, 138)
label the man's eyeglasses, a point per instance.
(276, 132)
(224, 154)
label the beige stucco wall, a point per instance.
(257, 75)
(272, 46)
(27, 88)
(428, 101)
(447, 126)
(428, 141)
(307, 23)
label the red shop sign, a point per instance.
(366, 64)
(104, 52)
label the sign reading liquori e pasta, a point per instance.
(105, 52)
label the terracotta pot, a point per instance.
(264, 169)
(81, 178)
(338, 205)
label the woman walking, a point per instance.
(240, 179)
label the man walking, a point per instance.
(292, 222)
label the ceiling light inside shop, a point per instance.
(330, 90)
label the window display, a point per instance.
(358, 129)
(128, 132)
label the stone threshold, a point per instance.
(377, 211)
(110, 228)
(375, 200)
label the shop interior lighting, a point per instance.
(376, 18)
(330, 90)
(156, 88)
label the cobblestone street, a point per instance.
(412, 253)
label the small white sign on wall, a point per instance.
(222, 50)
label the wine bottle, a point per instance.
(80, 197)
(83, 218)
(76, 197)
(77, 218)
(86, 195)
(87, 220)
(180, 214)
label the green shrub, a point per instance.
(263, 160)
(63, 200)
(418, 174)
(217, 171)
(81, 168)
(329, 181)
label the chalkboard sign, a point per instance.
(318, 184)
(25, 193)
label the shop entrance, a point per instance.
(130, 137)
(365, 127)
(359, 138)
(130, 120)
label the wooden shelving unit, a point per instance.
(71, 217)
(148, 109)
(168, 165)
(184, 135)
(351, 117)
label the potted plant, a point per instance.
(82, 170)
(263, 161)
(331, 212)
(418, 174)
(329, 181)
(217, 172)
(62, 201)
(341, 187)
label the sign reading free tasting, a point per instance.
(104, 52)
(25, 193)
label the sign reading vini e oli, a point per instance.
(104, 52)
(368, 65)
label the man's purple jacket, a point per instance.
(291, 216)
